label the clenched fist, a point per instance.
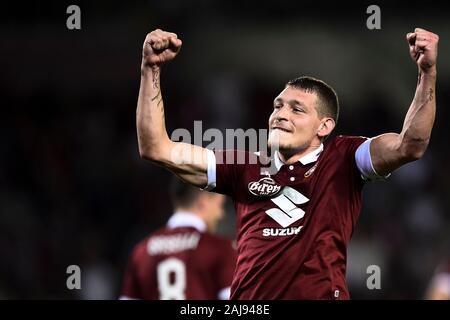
(159, 47)
(423, 48)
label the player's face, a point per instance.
(294, 122)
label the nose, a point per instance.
(282, 114)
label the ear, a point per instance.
(327, 125)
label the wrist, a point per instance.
(147, 69)
(429, 72)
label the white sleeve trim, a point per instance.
(211, 171)
(364, 162)
(224, 294)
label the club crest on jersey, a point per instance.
(264, 187)
(310, 171)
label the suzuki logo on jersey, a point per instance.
(287, 212)
(265, 187)
(280, 232)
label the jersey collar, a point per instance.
(306, 159)
(182, 219)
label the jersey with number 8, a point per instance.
(178, 264)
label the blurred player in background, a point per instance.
(294, 225)
(183, 260)
(439, 287)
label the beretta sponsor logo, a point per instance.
(265, 187)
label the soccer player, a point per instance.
(439, 286)
(294, 224)
(184, 260)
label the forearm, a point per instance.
(389, 151)
(416, 131)
(150, 120)
(188, 162)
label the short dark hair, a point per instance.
(328, 105)
(182, 194)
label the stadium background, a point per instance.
(74, 191)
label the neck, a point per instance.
(290, 157)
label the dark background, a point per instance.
(74, 191)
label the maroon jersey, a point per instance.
(294, 225)
(180, 263)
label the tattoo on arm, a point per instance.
(430, 94)
(157, 95)
(156, 78)
(160, 100)
(156, 85)
(430, 91)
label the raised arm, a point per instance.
(391, 150)
(187, 161)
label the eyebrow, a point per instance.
(291, 102)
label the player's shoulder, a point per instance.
(239, 157)
(344, 141)
(141, 246)
(349, 138)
